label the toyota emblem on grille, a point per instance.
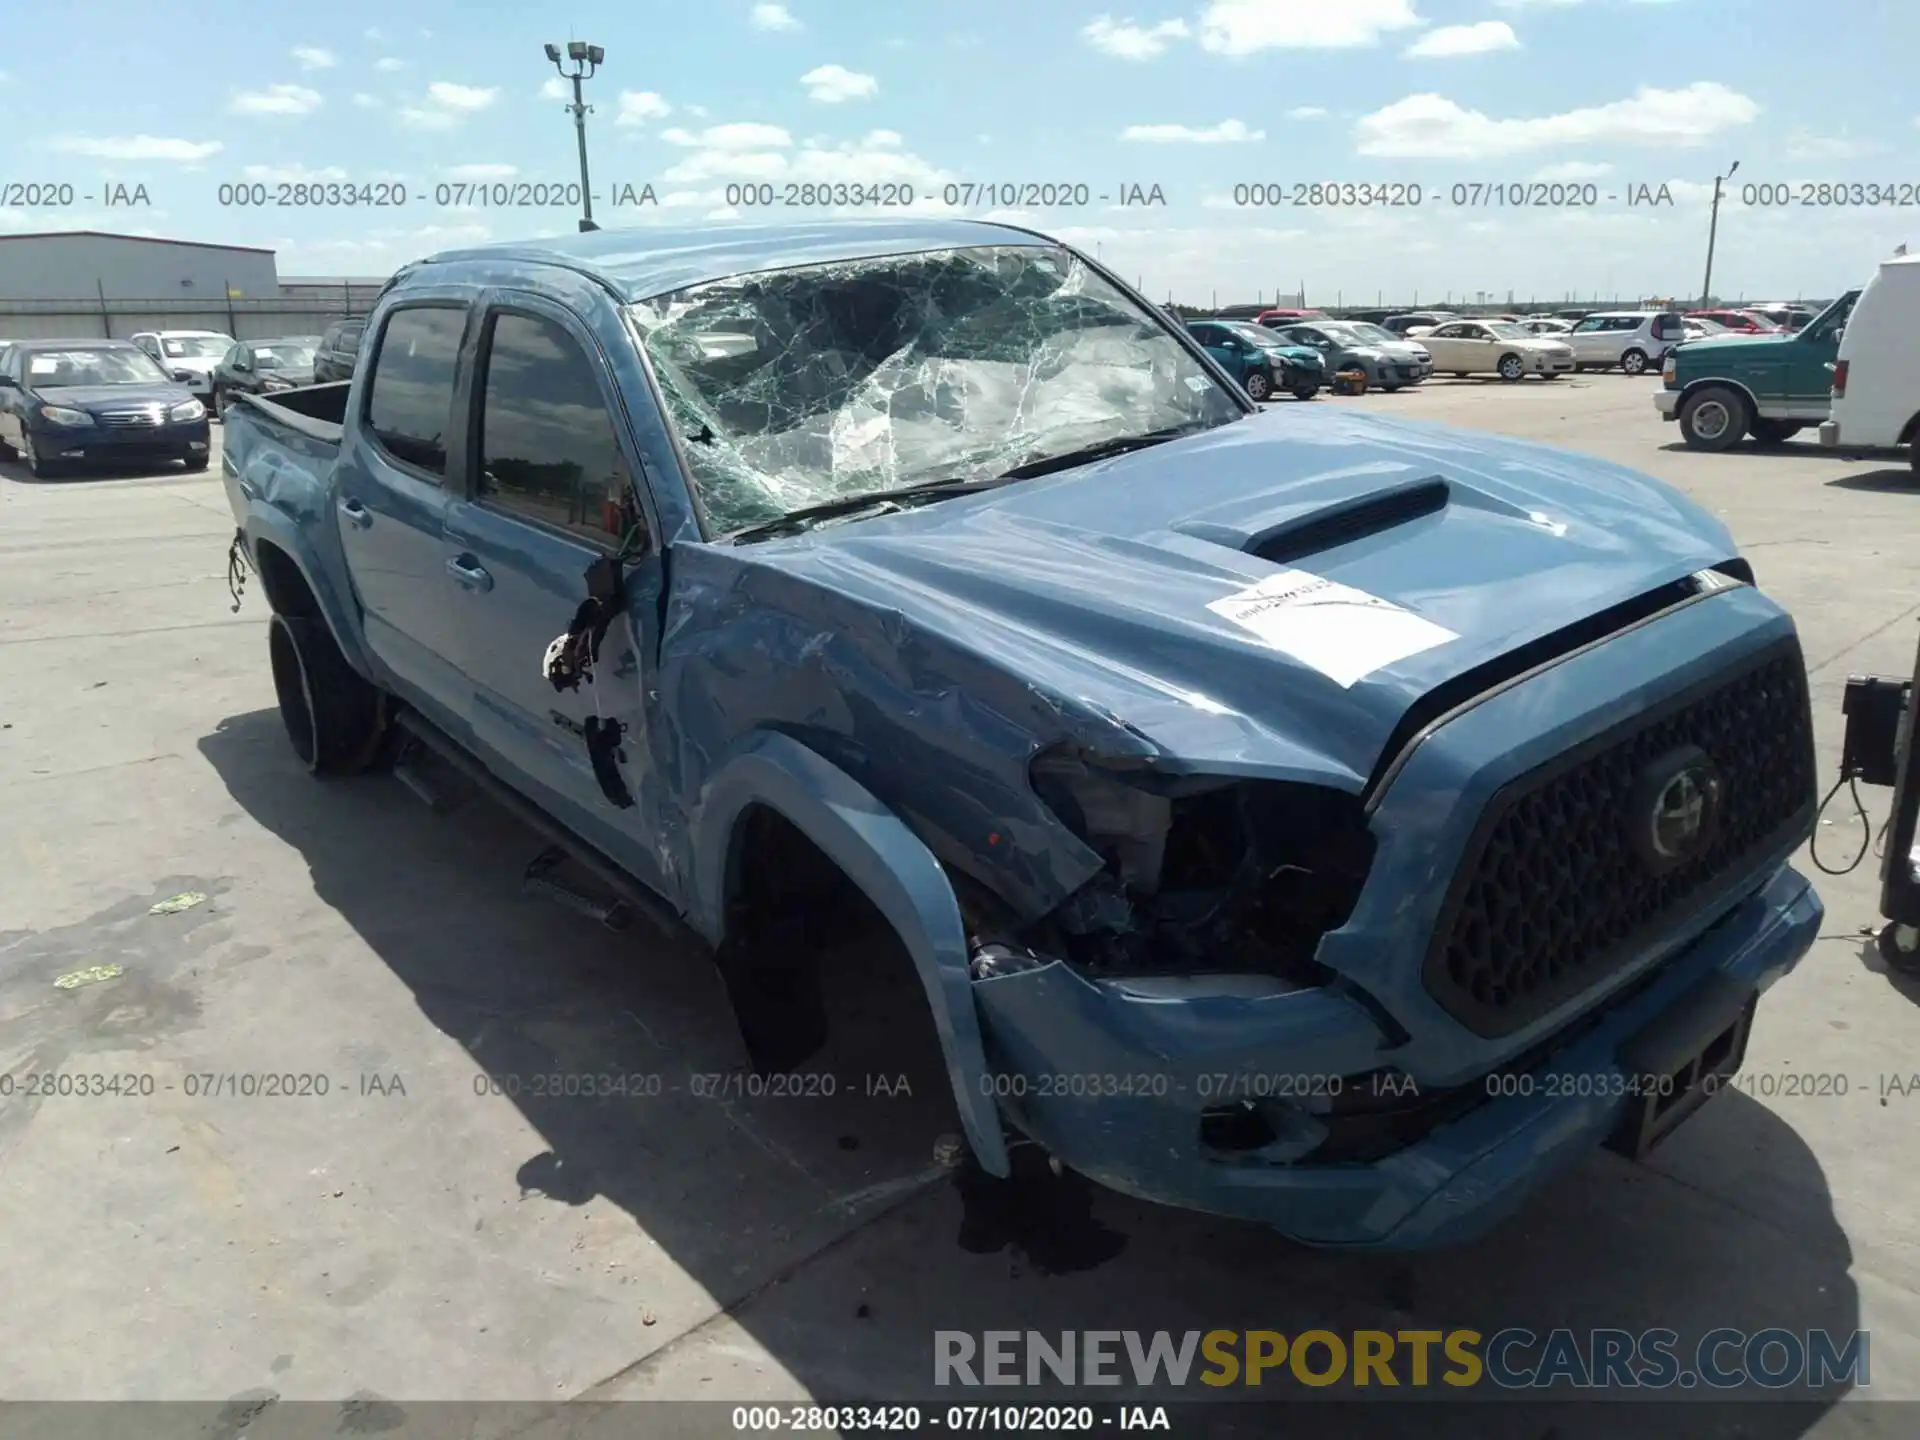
(1678, 805)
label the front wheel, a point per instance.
(1259, 387)
(220, 405)
(1899, 946)
(1775, 432)
(1634, 362)
(1511, 368)
(37, 466)
(1713, 419)
(1305, 392)
(197, 462)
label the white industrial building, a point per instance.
(91, 265)
(88, 283)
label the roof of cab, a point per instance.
(641, 263)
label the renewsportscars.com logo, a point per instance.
(1442, 1360)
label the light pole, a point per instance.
(585, 59)
(1713, 229)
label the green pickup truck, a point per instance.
(1768, 386)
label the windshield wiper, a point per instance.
(1104, 449)
(795, 521)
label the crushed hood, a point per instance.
(1094, 586)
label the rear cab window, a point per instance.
(409, 406)
(549, 449)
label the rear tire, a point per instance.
(1775, 432)
(335, 719)
(1634, 362)
(1713, 418)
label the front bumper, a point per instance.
(100, 444)
(1667, 402)
(1113, 1076)
(1551, 364)
(1125, 1114)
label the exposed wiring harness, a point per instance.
(1851, 780)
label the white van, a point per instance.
(1876, 376)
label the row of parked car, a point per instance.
(68, 403)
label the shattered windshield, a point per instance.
(792, 388)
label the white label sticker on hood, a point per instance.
(1344, 633)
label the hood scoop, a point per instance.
(1346, 521)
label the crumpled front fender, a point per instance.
(889, 863)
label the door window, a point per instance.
(548, 446)
(410, 400)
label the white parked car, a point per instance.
(189, 354)
(1546, 325)
(1496, 347)
(1635, 341)
(1876, 375)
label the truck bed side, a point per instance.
(278, 468)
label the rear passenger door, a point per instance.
(391, 501)
(553, 486)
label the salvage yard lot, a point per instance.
(441, 1225)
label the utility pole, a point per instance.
(1713, 230)
(586, 60)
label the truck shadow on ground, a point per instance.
(1880, 481)
(820, 1221)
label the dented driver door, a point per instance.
(550, 498)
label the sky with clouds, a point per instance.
(1218, 105)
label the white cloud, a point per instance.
(366, 101)
(1246, 27)
(466, 98)
(773, 17)
(277, 100)
(138, 147)
(293, 174)
(1479, 39)
(1435, 128)
(389, 64)
(482, 172)
(1128, 41)
(1572, 170)
(312, 57)
(743, 135)
(754, 152)
(556, 89)
(637, 107)
(1227, 132)
(832, 84)
(447, 104)
(1803, 145)
(1307, 112)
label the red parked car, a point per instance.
(1286, 317)
(1736, 320)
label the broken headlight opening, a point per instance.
(1203, 874)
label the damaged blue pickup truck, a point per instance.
(1307, 816)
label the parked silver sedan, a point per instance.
(1388, 360)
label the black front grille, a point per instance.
(1557, 892)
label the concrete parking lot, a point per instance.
(421, 1232)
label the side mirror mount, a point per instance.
(7, 382)
(185, 377)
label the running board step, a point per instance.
(542, 880)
